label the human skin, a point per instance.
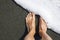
(30, 22)
(43, 30)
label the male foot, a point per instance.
(30, 22)
(43, 29)
(42, 26)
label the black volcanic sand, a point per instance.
(12, 22)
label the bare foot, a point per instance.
(43, 29)
(42, 26)
(30, 22)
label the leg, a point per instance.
(30, 22)
(43, 29)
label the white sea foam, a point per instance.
(49, 10)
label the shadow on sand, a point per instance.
(37, 37)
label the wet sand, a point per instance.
(12, 21)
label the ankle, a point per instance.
(32, 32)
(41, 33)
